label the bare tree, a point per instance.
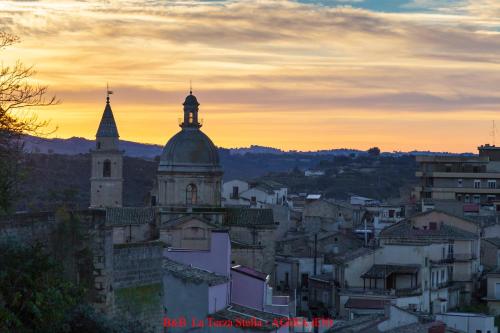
(17, 95)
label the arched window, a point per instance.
(191, 194)
(106, 168)
(191, 118)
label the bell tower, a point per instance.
(106, 181)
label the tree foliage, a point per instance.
(33, 295)
(18, 94)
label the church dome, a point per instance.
(190, 149)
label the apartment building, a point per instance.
(464, 180)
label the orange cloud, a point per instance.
(278, 73)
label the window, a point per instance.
(236, 192)
(477, 183)
(467, 198)
(98, 145)
(477, 198)
(442, 275)
(432, 225)
(253, 200)
(304, 280)
(106, 168)
(492, 183)
(191, 194)
(460, 182)
(391, 213)
(190, 119)
(497, 290)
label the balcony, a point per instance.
(405, 292)
(400, 292)
(456, 257)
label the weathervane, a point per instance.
(108, 92)
(190, 87)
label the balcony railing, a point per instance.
(456, 257)
(400, 292)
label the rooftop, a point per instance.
(180, 220)
(348, 256)
(129, 215)
(192, 274)
(238, 312)
(249, 217)
(405, 230)
(366, 303)
(250, 272)
(494, 240)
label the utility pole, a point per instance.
(315, 251)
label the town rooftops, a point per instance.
(383, 271)
(405, 230)
(270, 184)
(248, 217)
(129, 215)
(236, 313)
(348, 256)
(250, 272)
(192, 274)
(366, 303)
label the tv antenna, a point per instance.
(493, 132)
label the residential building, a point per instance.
(251, 288)
(450, 182)
(329, 215)
(458, 239)
(493, 291)
(292, 277)
(260, 194)
(490, 253)
(297, 243)
(252, 235)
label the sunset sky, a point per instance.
(306, 75)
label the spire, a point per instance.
(107, 126)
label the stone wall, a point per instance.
(137, 282)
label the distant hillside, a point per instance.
(58, 170)
(76, 145)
